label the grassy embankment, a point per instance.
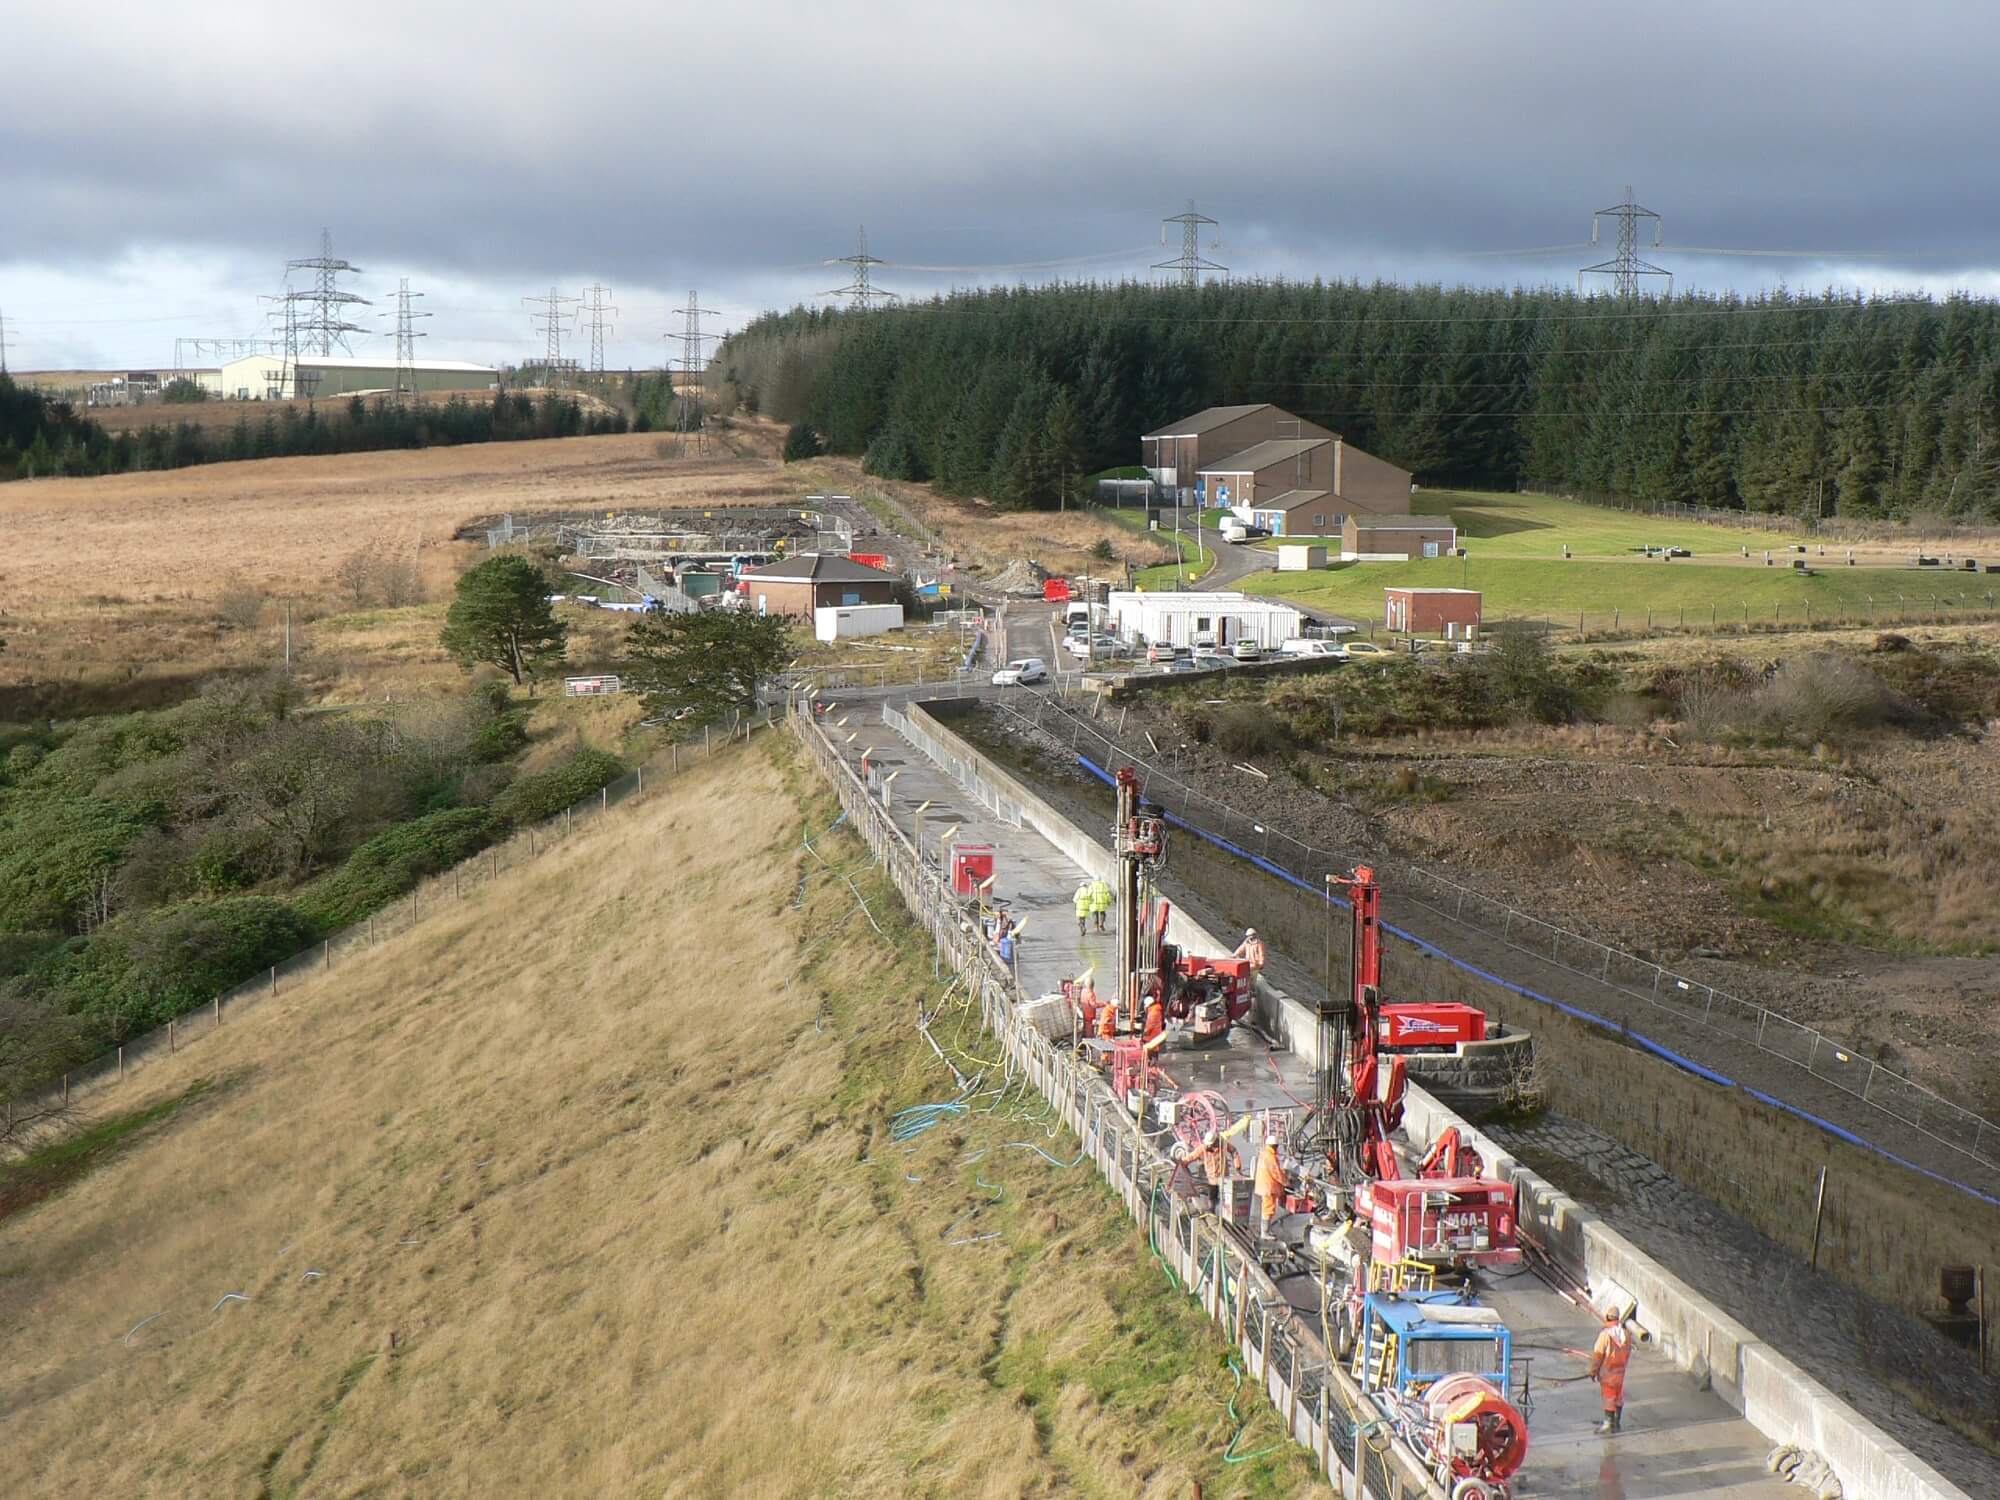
(1516, 561)
(514, 1214)
(1196, 559)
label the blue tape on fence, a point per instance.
(1646, 1043)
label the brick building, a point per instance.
(816, 580)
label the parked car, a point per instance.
(1233, 530)
(1247, 651)
(1208, 661)
(1204, 640)
(1022, 673)
(1368, 649)
(1300, 645)
(1086, 646)
(1160, 652)
(1181, 664)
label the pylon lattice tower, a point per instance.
(1189, 262)
(1625, 268)
(550, 321)
(406, 338)
(598, 317)
(692, 361)
(4, 343)
(325, 326)
(861, 292)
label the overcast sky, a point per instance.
(160, 160)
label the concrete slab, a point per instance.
(1679, 1440)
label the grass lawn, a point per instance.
(1523, 586)
(1497, 525)
(1195, 558)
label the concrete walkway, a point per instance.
(1679, 1440)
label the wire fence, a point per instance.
(1915, 605)
(431, 896)
(1276, 1346)
(1726, 1016)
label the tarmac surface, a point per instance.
(1678, 1439)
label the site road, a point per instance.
(1678, 1439)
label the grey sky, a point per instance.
(159, 163)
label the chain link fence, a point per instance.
(430, 896)
(1276, 1347)
(1727, 1016)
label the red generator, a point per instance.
(1428, 1026)
(1440, 1221)
(971, 867)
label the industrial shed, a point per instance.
(813, 581)
(1305, 486)
(1368, 538)
(1174, 454)
(265, 377)
(1448, 612)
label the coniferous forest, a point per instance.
(1829, 404)
(40, 437)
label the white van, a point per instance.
(1299, 645)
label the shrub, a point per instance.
(1813, 697)
(1101, 550)
(392, 862)
(801, 443)
(240, 604)
(53, 855)
(533, 798)
(138, 972)
(1246, 729)
(498, 739)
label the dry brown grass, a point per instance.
(596, 1175)
(110, 588)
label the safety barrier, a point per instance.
(1732, 1019)
(1321, 1407)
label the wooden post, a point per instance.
(121, 1060)
(218, 1010)
(1819, 1212)
(642, 780)
(171, 1047)
(274, 979)
(566, 813)
(604, 799)
(65, 1088)
(1979, 1281)
(458, 882)
(327, 952)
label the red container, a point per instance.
(1430, 1024)
(870, 559)
(1056, 590)
(971, 866)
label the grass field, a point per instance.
(1514, 545)
(585, 1187)
(1195, 557)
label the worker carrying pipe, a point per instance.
(1251, 948)
(1081, 902)
(1100, 901)
(1214, 1156)
(1608, 1359)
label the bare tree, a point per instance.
(241, 603)
(355, 574)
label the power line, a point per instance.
(598, 308)
(860, 293)
(688, 414)
(1189, 262)
(406, 338)
(550, 320)
(1625, 268)
(326, 326)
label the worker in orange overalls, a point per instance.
(1252, 948)
(1216, 1156)
(1608, 1359)
(1107, 1020)
(1271, 1181)
(1156, 1019)
(1086, 1002)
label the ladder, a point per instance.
(1375, 1358)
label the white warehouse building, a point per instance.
(264, 377)
(1176, 619)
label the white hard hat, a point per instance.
(1249, 932)
(1210, 1139)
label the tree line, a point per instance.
(41, 437)
(1775, 403)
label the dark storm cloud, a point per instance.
(734, 147)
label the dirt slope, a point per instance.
(594, 1178)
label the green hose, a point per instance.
(1229, 1454)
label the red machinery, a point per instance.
(1428, 1025)
(1205, 995)
(1477, 1439)
(971, 867)
(1439, 1221)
